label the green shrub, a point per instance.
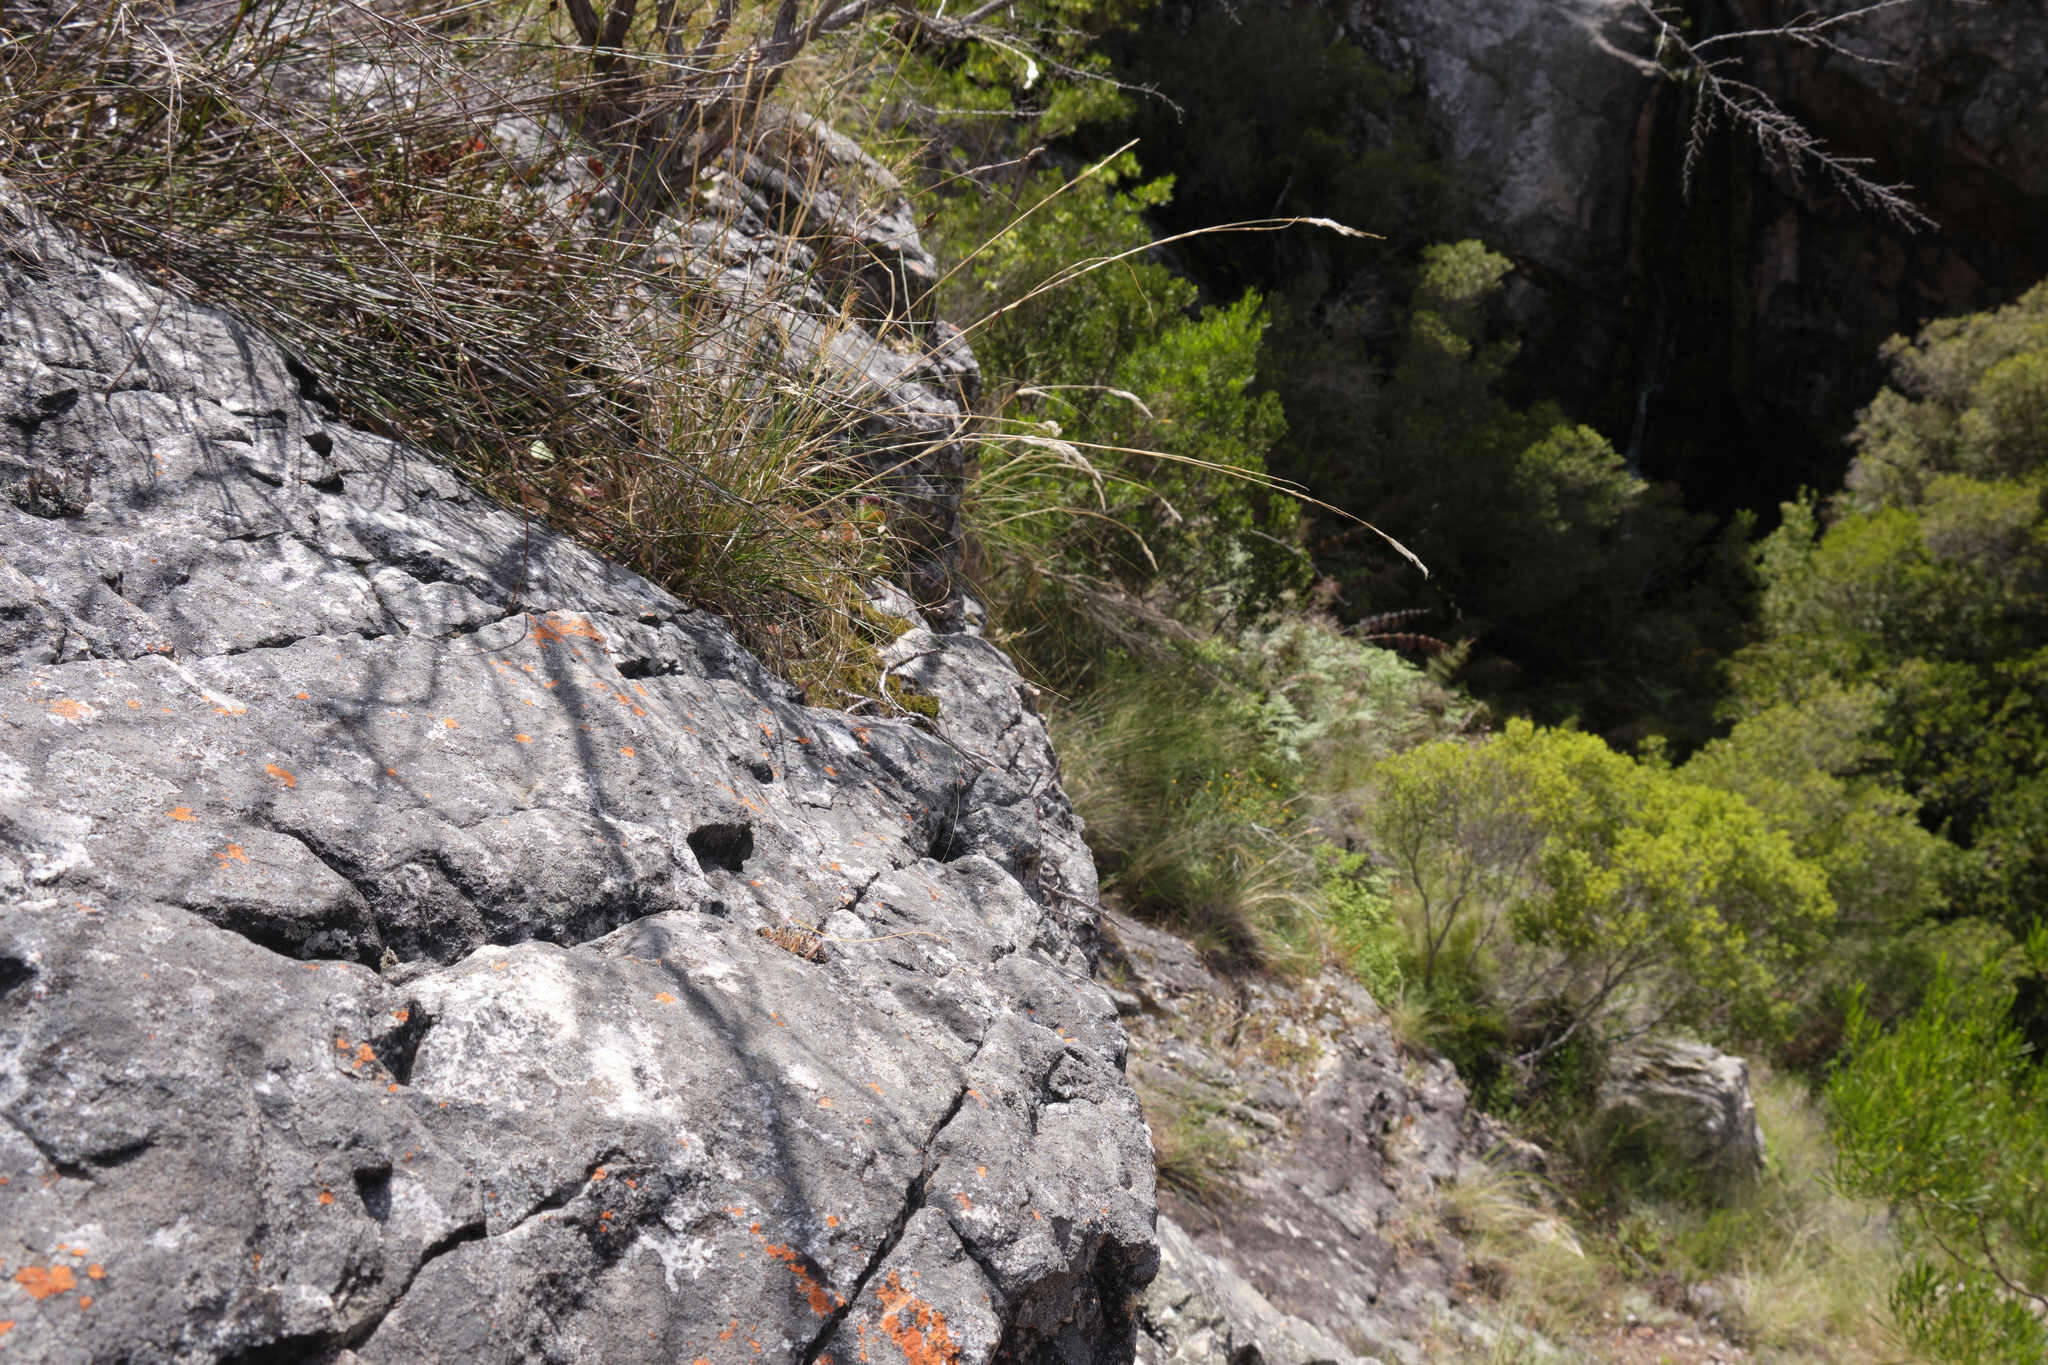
(1359, 906)
(1946, 1117)
(1926, 582)
(1582, 890)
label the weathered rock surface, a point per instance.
(1685, 1111)
(1301, 1158)
(423, 940)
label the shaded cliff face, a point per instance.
(1757, 308)
(1725, 338)
(409, 923)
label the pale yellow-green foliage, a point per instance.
(1550, 873)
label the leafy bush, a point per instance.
(1577, 889)
(1946, 1117)
(1591, 591)
(1927, 580)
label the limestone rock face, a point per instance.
(421, 940)
(1535, 106)
(1685, 1110)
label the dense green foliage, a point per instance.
(1946, 1117)
(1924, 589)
(1575, 889)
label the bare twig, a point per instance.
(1785, 141)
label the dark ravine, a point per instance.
(1726, 337)
(381, 887)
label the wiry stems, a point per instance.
(1786, 143)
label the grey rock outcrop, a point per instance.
(1302, 1156)
(421, 940)
(1683, 1111)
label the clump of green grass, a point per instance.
(1215, 778)
(1189, 816)
(1191, 1154)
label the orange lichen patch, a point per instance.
(42, 1282)
(831, 1220)
(524, 739)
(981, 1172)
(557, 627)
(280, 774)
(401, 1015)
(66, 709)
(831, 771)
(726, 1335)
(597, 1174)
(977, 1097)
(876, 1088)
(179, 812)
(326, 1197)
(134, 705)
(626, 749)
(1037, 1215)
(364, 1054)
(391, 772)
(824, 1101)
(664, 997)
(917, 1328)
(232, 853)
(303, 696)
(450, 723)
(500, 965)
(963, 1201)
(84, 1302)
(822, 1300)
(7, 1325)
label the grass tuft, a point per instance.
(426, 204)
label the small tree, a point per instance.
(1947, 1119)
(1585, 891)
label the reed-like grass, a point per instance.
(437, 208)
